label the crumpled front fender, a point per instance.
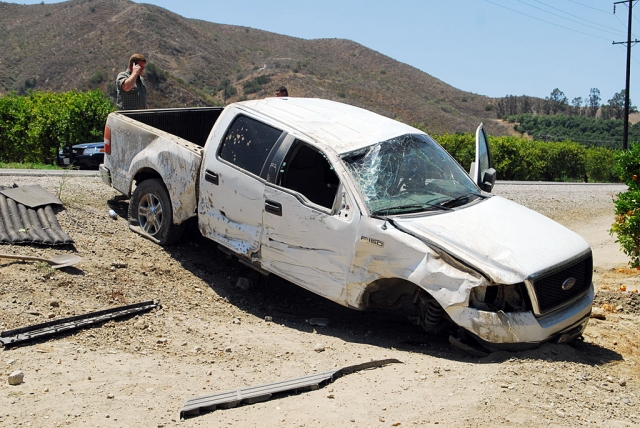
(391, 253)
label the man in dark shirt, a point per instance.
(131, 89)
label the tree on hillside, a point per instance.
(615, 108)
(616, 105)
(556, 102)
(594, 102)
(577, 105)
(512, 105)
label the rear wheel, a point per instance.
(150, 208)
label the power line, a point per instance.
(617, 32)
(590, 7)
(547, 22)
(623, 24)
(632, 57)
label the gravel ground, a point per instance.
(212, 335)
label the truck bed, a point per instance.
(191, 124)
(167, 143)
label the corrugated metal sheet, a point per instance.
(20, 224)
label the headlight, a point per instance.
(495, 298)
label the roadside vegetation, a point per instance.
(33, 128)
(518, 158)
(29, 165)
(626, 226)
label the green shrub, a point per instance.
(461, 146)
(33, 128)
(263, 80)
(627, 205)
(517, 158)
(254, 85)
(600, 165)
(564, 161)
(97, 78)
(155, 75)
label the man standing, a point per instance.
(132, 91)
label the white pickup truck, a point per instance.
(358, 208)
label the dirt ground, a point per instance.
(213, 334)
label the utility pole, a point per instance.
(625, 135)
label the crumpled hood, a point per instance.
(502, 239)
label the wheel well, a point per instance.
(396, 293)
(400, 294)
(142, 175)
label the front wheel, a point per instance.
(150, 208)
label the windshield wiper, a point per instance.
(411, 208)
(455, 201)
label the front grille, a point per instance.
(548, 288)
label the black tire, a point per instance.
(150, 209)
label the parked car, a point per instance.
(86, 155)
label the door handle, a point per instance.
(273, 207)
(211, 177)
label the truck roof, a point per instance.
(342, 127)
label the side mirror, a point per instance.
(488, 180)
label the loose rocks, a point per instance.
(16, 378)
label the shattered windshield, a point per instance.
(408, 174)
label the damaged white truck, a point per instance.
(358, 208)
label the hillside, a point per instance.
(83, 44)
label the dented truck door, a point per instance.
(310, 224)
(482, 171)
(231, 190)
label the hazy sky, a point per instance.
(489, 47)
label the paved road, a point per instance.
(47, 172)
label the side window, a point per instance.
(248, 143)
(307, 171)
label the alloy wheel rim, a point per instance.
(150, 214)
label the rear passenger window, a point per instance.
(248, 143)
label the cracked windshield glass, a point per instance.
(409, 174)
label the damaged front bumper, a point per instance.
(513, 331)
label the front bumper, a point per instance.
(522, 330)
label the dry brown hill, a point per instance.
(83, 44)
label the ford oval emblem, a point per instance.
(568, 283)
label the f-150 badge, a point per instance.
(375, 242)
